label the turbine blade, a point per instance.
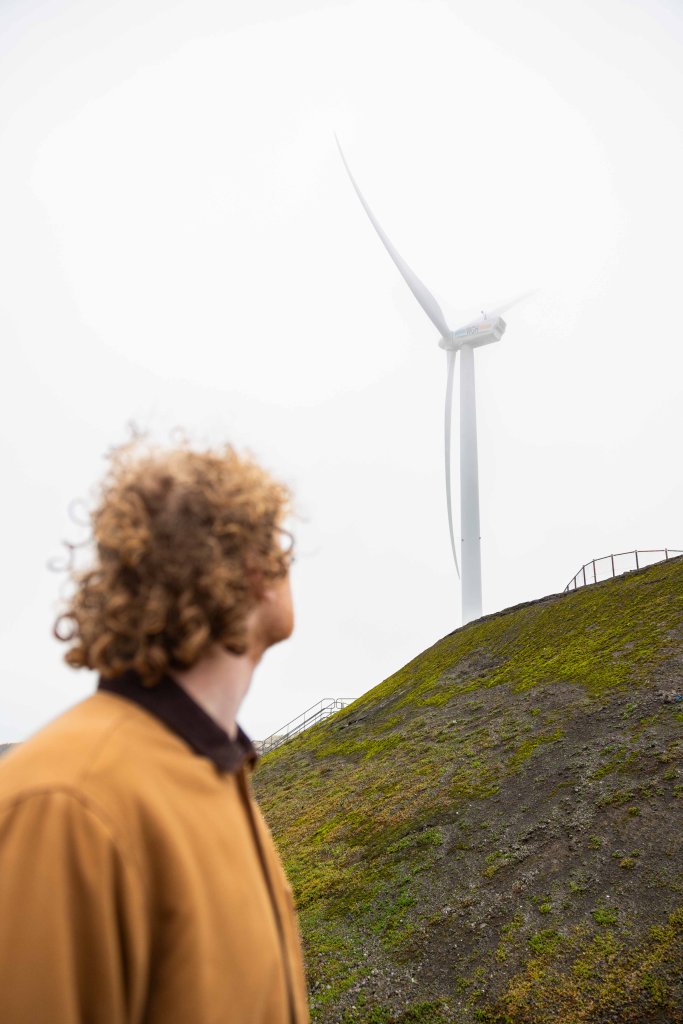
(419, 290)
(509, 303)
(447, 448)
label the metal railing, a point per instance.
(605, 568)
(317, 713)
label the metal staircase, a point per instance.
(323, 709)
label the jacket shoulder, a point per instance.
(65, 752)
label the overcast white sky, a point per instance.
(179, 245)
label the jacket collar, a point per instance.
(176, 709)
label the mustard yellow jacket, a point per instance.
(139, 883)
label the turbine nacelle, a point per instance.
(480, 332)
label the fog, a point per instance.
(181, 246)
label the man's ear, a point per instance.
(260, 584)
(257, 584)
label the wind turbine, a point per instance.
(482, 331)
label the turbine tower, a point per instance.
(482, 331)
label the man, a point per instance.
(138, 881)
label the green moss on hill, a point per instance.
(493, 833)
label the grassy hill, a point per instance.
(494, 832)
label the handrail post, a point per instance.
(637, 562)
(595, 575)
(583, 569)
(613, 572)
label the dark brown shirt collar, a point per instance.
(176, 709)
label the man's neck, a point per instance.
(219, 684)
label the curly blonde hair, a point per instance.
(180, 536)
